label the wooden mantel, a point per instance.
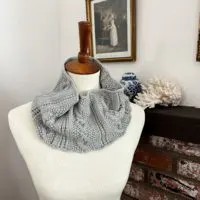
(181, 123)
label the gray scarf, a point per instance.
(82, 122)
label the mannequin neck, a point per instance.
(86, 82)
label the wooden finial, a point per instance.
(85, 29)
(83, 65)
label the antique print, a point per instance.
(113, 29)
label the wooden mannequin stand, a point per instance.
(83, 65)
(98, 175)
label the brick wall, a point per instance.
(164, 169)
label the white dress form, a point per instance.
(57, 175)
(85, 82)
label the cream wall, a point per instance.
(166, 42)
(36, 36)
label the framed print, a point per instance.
(198, 43)
(113, 35)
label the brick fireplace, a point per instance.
(166, 164)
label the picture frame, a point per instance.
(198, 43)
(113, 35)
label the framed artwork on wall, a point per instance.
(198, 43)
(113, 35)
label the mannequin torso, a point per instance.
(57, 175)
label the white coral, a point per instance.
(159, 91)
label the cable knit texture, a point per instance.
(82, 122)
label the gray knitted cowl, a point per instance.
(82, 122)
